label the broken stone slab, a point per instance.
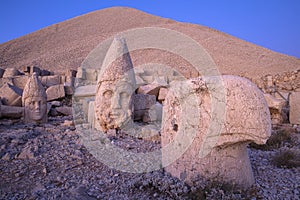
(11, 72)
(93, 123)
(147, 79)
(153, 114)
(11, 111)
(20, 81)
(55, 92)
(151, 89)
(11, 95)
(29, 70)
(45, 73)
(207, 125)
(1, 72)
(87, 74)
(6, 80)
(85, 91)
(139, 81)
(65, 110)
(143, 101)
(162, 94)
(295, 108)
(70, 73)
(276, 107)
(50, 80)
(161, 80)
(69, 90)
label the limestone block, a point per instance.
(45, 73)
(69, 90)
(151, 89)
(93, 123)
(11, 95)
(153, 114)
(55, 103)
(91, 74)
(11, 72)
(50, 80)
(85, 91)
(85, 106)
(1, 72)
(3, 81)
(161, 80)
(91, 114)
(139, 81)
(65, 110)
(70, 73)
(55, 92)
(20, 81)
(295, 108)
(69, 81)
(143, 101)
(207, 124)
(147, 79)
(11, 111)
(162, 94)
(276, 107)
(81, 73)
(29, 70)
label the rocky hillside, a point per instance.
(66, 44)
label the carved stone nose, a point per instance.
(115, 102)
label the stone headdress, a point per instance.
(117, 64)
(33, 88)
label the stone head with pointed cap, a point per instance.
(34, 100)
(116, 85)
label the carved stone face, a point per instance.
(35, 108)
(114, 104)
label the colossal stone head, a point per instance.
(116, 85)
(34, 100)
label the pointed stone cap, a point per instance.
(33, 88)
(117, 64)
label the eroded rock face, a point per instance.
(34, 100)
(205, 139)
(116, 85)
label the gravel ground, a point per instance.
(49, 162)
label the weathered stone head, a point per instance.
(34, 100)
(214, 153)
(115, 87)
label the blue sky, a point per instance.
(274, 24)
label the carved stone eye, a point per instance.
(107, 94)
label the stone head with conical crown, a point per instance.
(34, 100)
(115, 87)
